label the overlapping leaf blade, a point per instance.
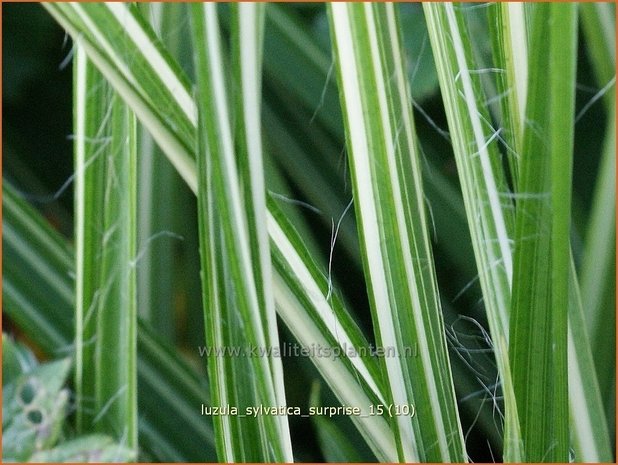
(584, 399)
(234, 242)
(485, 193)
(389, 203)
(167, 122)
(297, 289)
(598, 267)
(163, 227)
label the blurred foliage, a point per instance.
(34, 410)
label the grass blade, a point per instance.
(507, 24)
(247, 39)
(598, 266)
(160, 191)
(589, 432)
(317, 317)
(540, 298)
(389, 204)
(233, 239)
(561, 134)
(91, 148)
(117, 325)
(584, 400)
(483, 185)
(105, 270)
(149, 81)
(598, 269)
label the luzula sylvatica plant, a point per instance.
(253, 133)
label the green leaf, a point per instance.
(485, 193)
(584, 400)
(507, 22)
(390, 206)
(538, 341)
(315, 314)
(161, 223)
(105, 231)
(598, 267)
(588, 420)
(92, 99)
